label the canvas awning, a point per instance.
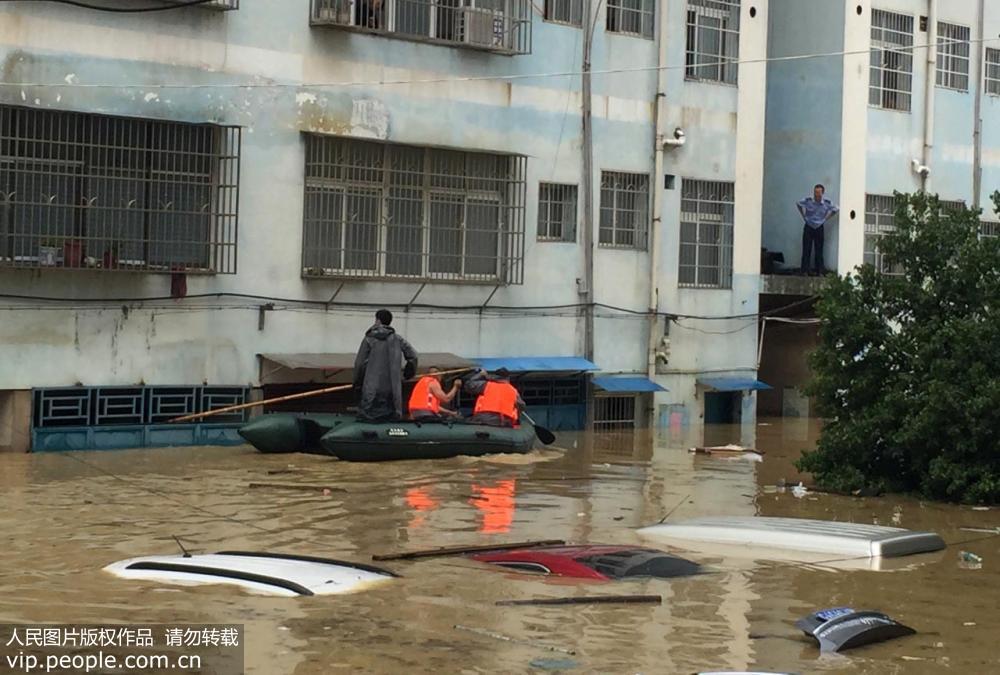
(626, 384)
(338, 367)
(733, 384)
(537, 364)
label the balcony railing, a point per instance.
(502, 26)
(110, 193)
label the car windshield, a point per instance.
(623, 564)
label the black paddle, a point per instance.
(544, 435)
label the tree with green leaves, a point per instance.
(907, 372)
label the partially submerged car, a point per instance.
(597, 562)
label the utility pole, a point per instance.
(588, 184)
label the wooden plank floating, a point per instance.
(593, 600)
(293, 486)
(461, 550)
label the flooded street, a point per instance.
(66, 516)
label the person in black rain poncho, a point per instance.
(377, 371)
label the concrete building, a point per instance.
(913, 103)
(188, 189)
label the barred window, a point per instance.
(993, 71)
(493, 25)
(614, 412)
(564, 11)
(631, 17)
(880, 213)
(988, 228)
(384, 210)
(713, 40)
(891, 72)
(953, 56)
(114, 193)
(706, 248)
(556, 212)
(624, 209)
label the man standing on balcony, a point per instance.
(816, 211)
(379, 371)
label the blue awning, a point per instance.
(733, 384)
(537, 364)
(630, 384)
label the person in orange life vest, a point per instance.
(428, 395)
(499, 404)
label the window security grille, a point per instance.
(614, 412)
(891, 71)
(713, 40)
(624, 210)
(993, 71)
(631, 17)
(564, 11)
(953, 56)
(113, 193)
(556, 212)
(493, 25)
(989, 229)
(380, 210)
(879, 220)
(706, 247)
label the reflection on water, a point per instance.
(67, 516)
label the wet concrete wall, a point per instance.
(325, 80)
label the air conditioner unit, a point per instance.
(482, 27)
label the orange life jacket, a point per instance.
(499, 398)
(422, 400)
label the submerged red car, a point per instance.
(597, 562)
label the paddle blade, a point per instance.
(544, 435)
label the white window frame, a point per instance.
(953, 56)
(891, 61)
(722, 66)
(724, 242)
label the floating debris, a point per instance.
(592, 600)
(554, 664)
(507, 638)
(292, 486)
(969, 561)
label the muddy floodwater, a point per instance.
(65, 516)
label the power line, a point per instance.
(471, 78)
(122, 10)
(503, 310)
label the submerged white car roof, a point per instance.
(799, 534)
(267, 573)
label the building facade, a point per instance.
(896, 95)
(188, 189)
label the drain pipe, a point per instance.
(977, 134)
(659, 142)
(931, 85)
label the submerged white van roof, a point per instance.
(850, 540)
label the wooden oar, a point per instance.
(290, 397)
(544, 435)
(461, 550)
